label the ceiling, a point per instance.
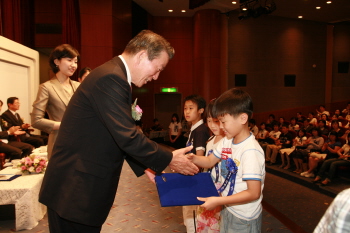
(337, 11)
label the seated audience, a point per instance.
(322, 128)
(253, 128)
(322, 110)
(270, 122)
(156, 125)
(306, 126)
(299, 141)
(347, 109)
(83, 73)
(336, 128)
(262, 136)
(313, 120)
(331, 165)
(12, 149)
(325, 118)
(300, 117)
(337, 115)
(13, 119)
(300, 156)
(281, 122)
(293, 124)
(283, 141)
(329, 151)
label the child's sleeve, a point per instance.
(252, 165)
(200, 139)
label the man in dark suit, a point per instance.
(14, 119)
(12, 149)
(82, 177)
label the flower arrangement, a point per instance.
(136, 111)
(32, 163)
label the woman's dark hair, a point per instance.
(302, 130)
(62, 51)
(334, 121)
(176, 116)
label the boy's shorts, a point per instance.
(230, 223)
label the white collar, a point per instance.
(193, 127)
(127, 69)
(14, 113)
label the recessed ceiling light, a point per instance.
(183, 11)
(244, 9)
(318, 7)
(329, 2)
(234, 2)
(170, 10)
(300, 16)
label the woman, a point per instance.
(54, 95)
(175, 130)
(331, 165)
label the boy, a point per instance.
(194, 107)
(242, 169)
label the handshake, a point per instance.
(181, 162)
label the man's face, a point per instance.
(284, 130)
(14, 106)
(146, 70)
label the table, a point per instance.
(23, 192)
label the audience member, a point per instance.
(83, 73)
(300, 156)
(270, 122)
(325, 118)
(194, 106)
(347, 109)
(300, 117)
(332, 164)
(156, 125)
(313, 120)
(293, 124)
(284, 141)
(322, 110)
(281, 122)
(335, 128)
(337, 115)
(322, 128)
(175, 131)
(328, 151)
(55, 94)
(253, 128)
(12, 149)
(298, 142)
(306, 126)
(262, 136)
(14, 119)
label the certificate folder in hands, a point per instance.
(175, 189)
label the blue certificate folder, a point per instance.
(175, 189)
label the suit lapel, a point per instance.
(57, 87)
(14, 118)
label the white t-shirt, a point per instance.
(254, 130)
(249, 159)
(275, 134)
(175, 128)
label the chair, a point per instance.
(2, 160)
(293, 133)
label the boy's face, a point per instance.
(191, 112)
(231, 125)
(214, 126)
(275, 128)
(284, 130)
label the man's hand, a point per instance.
(14, 130)
(181, 164)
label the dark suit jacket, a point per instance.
(13, 121)
(3, 132)
(97, 133)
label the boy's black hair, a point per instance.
(197, 99)
(252, 121)
(233, 102)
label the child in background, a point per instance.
(299, 141)
(175, 131)
(253, 128)
(241, 173)
(193, 109)
(209, 220)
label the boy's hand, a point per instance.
(210, 203)
(190, 156)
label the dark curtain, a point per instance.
(17, 21)
(196, 3)
(71, 27)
